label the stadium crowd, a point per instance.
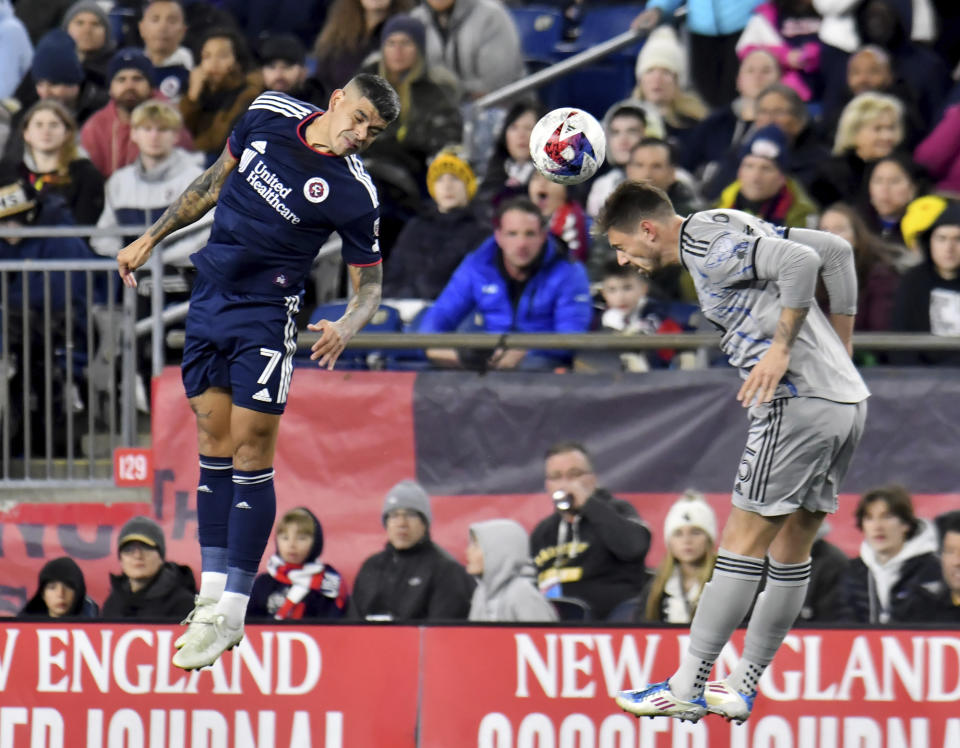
(812, 113)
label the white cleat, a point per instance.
(728, 702)
(658, 701)
(204, 608)
(205, 648)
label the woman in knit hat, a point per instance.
(690, 530)
(660, 81)
(61, 592)
(431, 245)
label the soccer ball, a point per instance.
(567, 145)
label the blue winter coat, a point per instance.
(711, 17)
(555, 299)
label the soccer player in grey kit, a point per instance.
(756, 282)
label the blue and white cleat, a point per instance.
(658, 701)
(726, 701)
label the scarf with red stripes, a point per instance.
(302, 579)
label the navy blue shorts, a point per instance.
(241, 342)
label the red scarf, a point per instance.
(301, 580)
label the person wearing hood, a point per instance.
(764, 188)
(298, 586)
(432, 244)
(148, 586)
(898, 554)
(412, 578)
(16, 51)
(928, 299)
(61, 593)
(476, 39)
(592, 546)
(520, 282)
(89, 27)
(498, 555)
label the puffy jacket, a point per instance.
(168, 597)
(711, 17)
(556, 298)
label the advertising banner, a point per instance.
(112, 686)
(553, 688)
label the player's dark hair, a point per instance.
(797, 106)
(632, 202)
(241, 51)
(652, 142)
(378, 92)
(898, 502)
(521, 203)
(569, 445)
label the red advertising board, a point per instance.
(551, 688)
(103, 685)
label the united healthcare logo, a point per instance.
(316, 189)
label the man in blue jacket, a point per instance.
(519, 282)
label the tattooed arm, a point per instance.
(367, 282)
(195, 201)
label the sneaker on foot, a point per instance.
(213, 640)
(728, 702)
(658, 701)
(202, 614)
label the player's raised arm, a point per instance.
(367, 284)
(199, 197)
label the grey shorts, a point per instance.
(798, 451)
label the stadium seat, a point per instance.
(541, 29)
(571, 609)
(604, 22)
(385, 319)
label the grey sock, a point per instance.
(777, 608)
(725, 601)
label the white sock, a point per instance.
(233, 605)
(212, 584)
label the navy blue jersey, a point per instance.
(282, 201)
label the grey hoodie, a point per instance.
(884, 576)
(507, 590)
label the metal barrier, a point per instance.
(69, 371)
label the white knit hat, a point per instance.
(662, 50)
(691, 509)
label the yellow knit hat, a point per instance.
(920, 216)
(448, 162)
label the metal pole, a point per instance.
(156, 310)
(128, 405)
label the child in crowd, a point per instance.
(629, 309)
(564, 217)
(499, 554)
(298, 585)
(61, 592)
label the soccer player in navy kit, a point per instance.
(756, 283)
(287, 178)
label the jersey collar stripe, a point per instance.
(278, 110)
(283, 99)
(300, 111)
(356, 168)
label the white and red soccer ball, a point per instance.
(567, 145)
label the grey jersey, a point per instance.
(735, 260)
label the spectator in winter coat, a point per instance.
(519, 282)
(53, 165)
(89, 26)
(283, 66)
(61, 593)
(939, 152)
(564, 216)
(413, 578)
(220, 90)
(690, 532)
(827, 563)
(298, 585)
(499, 556)
(162, 27)
(928, 299)
(897, 555)
(510, 166)
(432, 244)
(594, 548)
(475, 39)
(148, 587)
(16, 51)
(106, 135)
(763, 188)
(939, 602)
